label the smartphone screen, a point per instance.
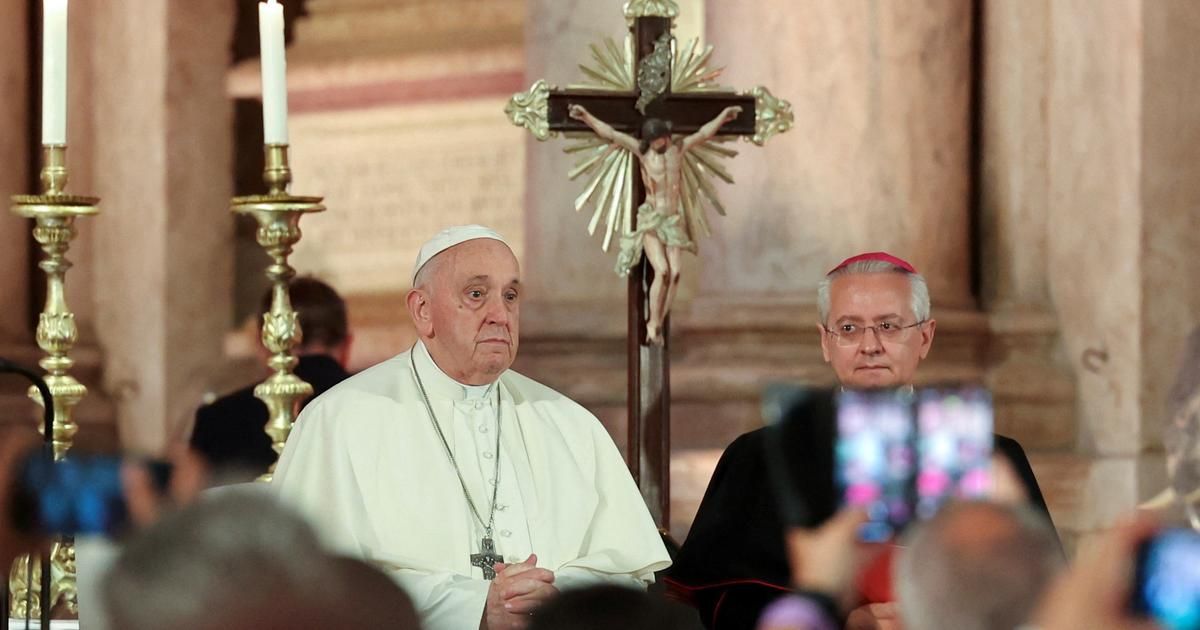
(82, 494)
(1167, 579)
(875, 461)
(954, 446)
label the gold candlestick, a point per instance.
(278, 215)
(54, 214)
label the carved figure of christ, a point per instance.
(661, 228)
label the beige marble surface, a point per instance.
(1014, 145)
(394, 176)
(877, 158)
(162, 151)
(1095, 221)
(565, 266)
(14, 117)
(360, 28)
(1089, 198)
(1170, 197)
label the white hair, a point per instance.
(427, 273)
(920, 290)
(949, 580)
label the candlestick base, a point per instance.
(25, 597)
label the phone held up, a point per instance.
(82, 494)
(898, 454)
(1166, 580)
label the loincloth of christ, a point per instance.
(669, 229)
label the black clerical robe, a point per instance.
(734, 561)
(229, 432)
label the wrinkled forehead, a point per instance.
(870, 296)
(479, 258)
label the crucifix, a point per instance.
(627, 119)
(487, 558)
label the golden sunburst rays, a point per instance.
(700, 166)
(611, 67)
(610, 187)
(610, 170)
(690, 72)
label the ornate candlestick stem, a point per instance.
(278, 215)
(54, 214)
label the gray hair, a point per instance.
(237, 561)
(959, 576)
(920, 290)
(425, 275)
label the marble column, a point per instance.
(1170, 197)
(1033, 386)
(14, 156)
(163, 246)
(1122, 139)
(877, 160)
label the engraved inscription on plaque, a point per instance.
(394, 176)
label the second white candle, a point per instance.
(274, 72)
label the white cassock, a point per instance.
(366, 465)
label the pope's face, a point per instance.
(474, 311)
(874, 299)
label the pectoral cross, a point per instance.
(487, 558)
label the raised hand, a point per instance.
(577, 112)
(1094, 593)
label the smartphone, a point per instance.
(79, 495)
(954, 446)
(875, 459)
(1166, 584)
(798, 452)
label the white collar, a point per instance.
(438, 384)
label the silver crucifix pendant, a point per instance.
(486, 558)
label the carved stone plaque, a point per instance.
(393, 176)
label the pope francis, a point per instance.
(481, 491)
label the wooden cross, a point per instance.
(649, 400)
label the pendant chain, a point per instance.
(487, 527)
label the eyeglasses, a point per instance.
(848, 334)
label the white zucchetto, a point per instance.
(450, 237)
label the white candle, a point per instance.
(54, 72)
(274, 72)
